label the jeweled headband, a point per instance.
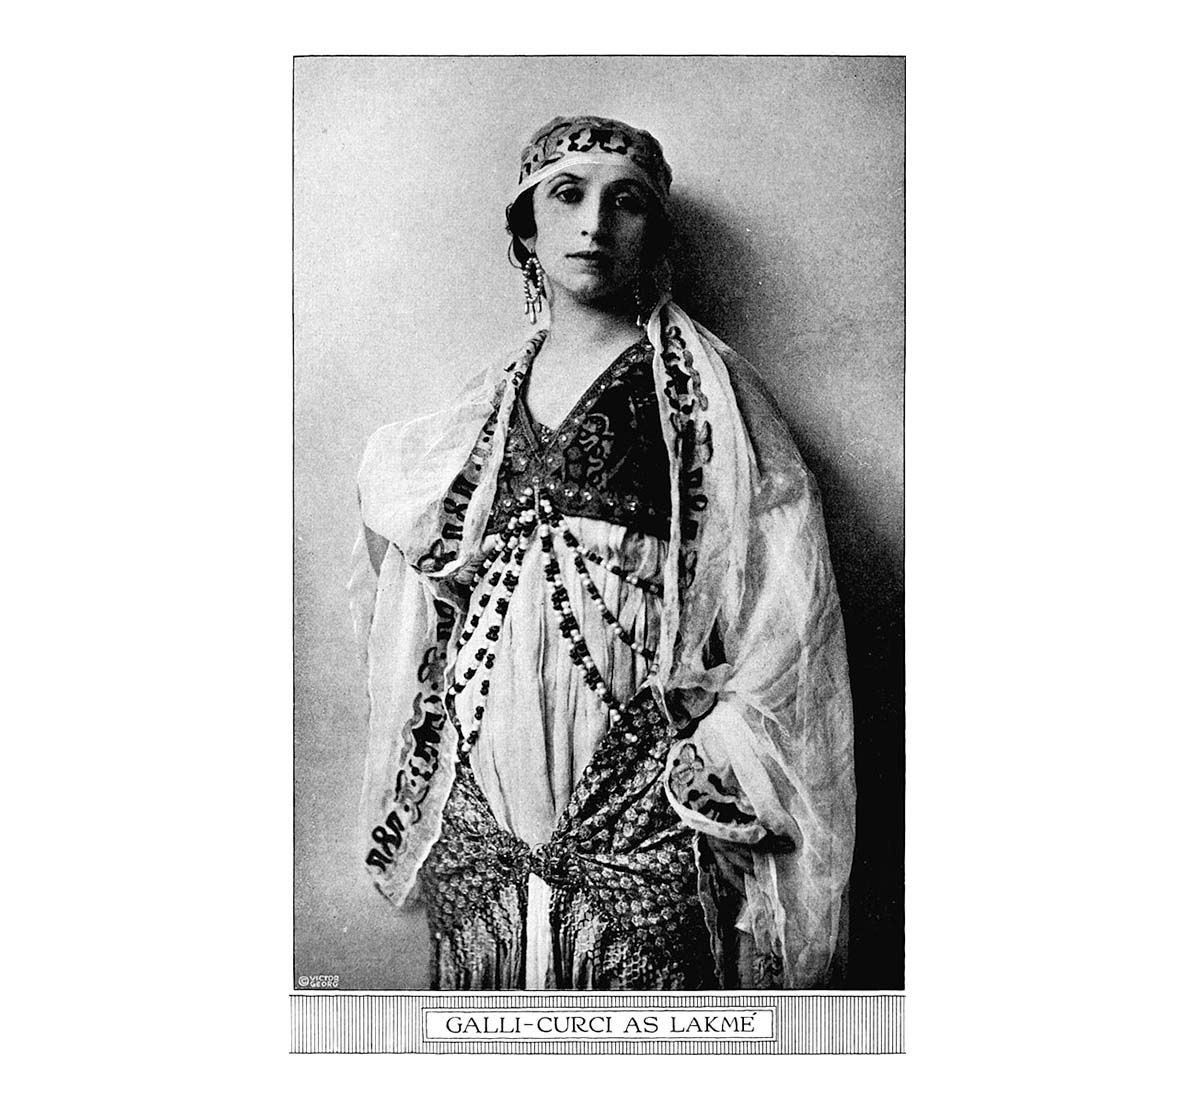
(586, 139)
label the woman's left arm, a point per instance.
(768, 772)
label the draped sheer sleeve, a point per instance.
(749, 627)
(361, 589)
(773, 757)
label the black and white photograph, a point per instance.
(599, 522)
(655, 533)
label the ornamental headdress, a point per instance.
(588, 139)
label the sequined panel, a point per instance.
(626, 914)
(621, 866)
(474, 883)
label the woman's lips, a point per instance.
(591, 257)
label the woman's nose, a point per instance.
(595, 220)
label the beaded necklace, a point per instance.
(501, 569)
(508, 555)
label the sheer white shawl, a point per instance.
(747, 561)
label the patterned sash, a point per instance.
(621, 866)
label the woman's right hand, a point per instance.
(468, 572)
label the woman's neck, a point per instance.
(575, 326)
(582, 341)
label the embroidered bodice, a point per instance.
(606, 460)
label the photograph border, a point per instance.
(849, 1021)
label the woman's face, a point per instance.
(592, 224)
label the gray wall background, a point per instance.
(789, 203)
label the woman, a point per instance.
(610, 716)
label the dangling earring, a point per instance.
(535, 288)
(662, 277)
(642, 304)
(652, 285)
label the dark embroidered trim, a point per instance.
(586, 134)
(415, 778)
(703, 792)
(693, 443)
(454, 505)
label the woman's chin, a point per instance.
(596, 293)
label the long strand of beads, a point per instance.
(568, 625)
(499, 558)
(558, 524)
(509, 581)
(627, 575)
(521, 528)
(485, 658)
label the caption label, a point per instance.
(549, 1024)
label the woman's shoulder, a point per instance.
(751, 391)
(782, 472)
(481, 391)
(408, 465)
(403, 444)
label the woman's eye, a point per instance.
(630, 202)
(567, 194)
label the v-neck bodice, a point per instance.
(605, 460)
(634, 353)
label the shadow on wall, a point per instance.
(716, 269)
(722, 279)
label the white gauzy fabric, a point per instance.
(761, 582)
(534, 744)
(539, 939)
